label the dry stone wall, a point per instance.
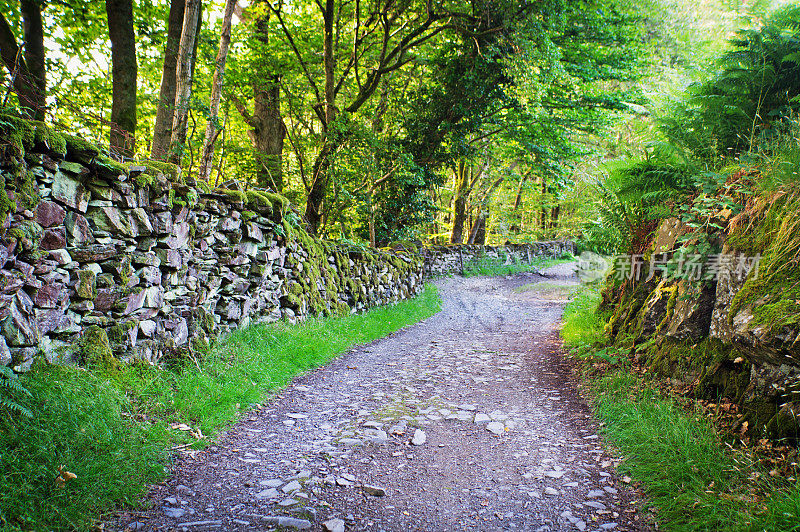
(97, 258)
(446, 260)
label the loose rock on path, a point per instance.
(470, 420)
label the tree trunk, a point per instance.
(268, 131)
(543, 221)
(319, 183)
(268, 134)
(212, 127)
(460, 194)
(316, 194)
(25, 84)
(477, 234)
(183, 80)
(34, 54)
(162, 132)
(554, 216)
(123, 71)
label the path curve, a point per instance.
(502, 439)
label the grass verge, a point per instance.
(491, 267)
(113, 432)
(692, 480)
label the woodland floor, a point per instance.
(509, 443)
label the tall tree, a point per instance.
(355, 58)
(124, 75)
(212, 127)
(27, 70)
(267, 131)
(162, 131)
(183, 79)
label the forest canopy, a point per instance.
(447, 120)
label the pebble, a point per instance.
(482, 418)
(593, 494)
(174, 512)
(419, 437)
(289, 522)
(495, 427)
(375, 491)
(550, 491)
(272, 483)
(270, 493)
(291, 486)
(334, 525)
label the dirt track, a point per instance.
(508, 442)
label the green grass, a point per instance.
(84, 421)
(77, 424)
(491, 267)
(691, 479)
(583, 326)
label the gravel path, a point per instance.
(470, 420)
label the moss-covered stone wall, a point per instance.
(735, 335)
(102, 262)
(454, 259)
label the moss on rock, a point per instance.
(96, 350)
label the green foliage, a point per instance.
(634, 195)
(751, 102)
(10, 392)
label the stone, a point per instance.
(419, 437)
(106, 298)
(111, 220)
(5, 353)
(375, 491)
(48, 296)
(94, 252)
(17, 330)
(550, 491)
(49, 213)
(482, 418)
(179, 236)
(270, 493)
(54, 238)
(86, 287)
(70, 192)
(135, 302)
(495, 427)
(150, 275)
(139, 222)
(175, 513)
(291, 486)
(289, 522)
(77, 229)
(334, 525)
(272, 483)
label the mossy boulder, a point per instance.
(96, 349)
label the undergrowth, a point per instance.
(692, 480)
(96, 440)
